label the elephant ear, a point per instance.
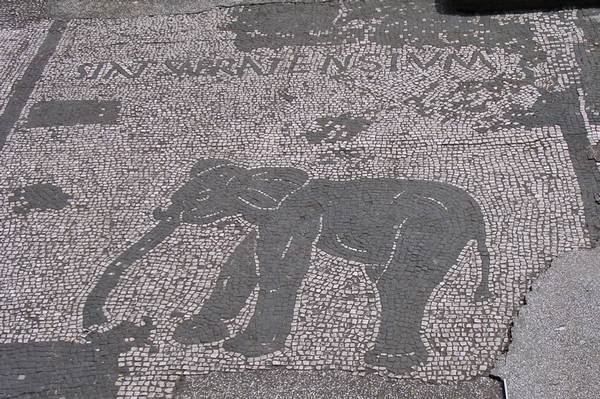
(267, 188)
(206, 165)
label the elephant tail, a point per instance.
(483, 292)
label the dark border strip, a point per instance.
(580, 147)
(502, 382)
(23, 87)
(586, 169)
(562, 108)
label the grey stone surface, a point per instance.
(555, 349)
(133, 8)
(327, 385)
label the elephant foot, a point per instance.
(200, 330)
(395, 363)
(483, 293)
(250, 346)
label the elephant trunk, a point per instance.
(171, 215)
(92, 311)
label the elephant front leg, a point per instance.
(237, 279)
(284, 257)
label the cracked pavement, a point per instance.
(299, 199)
(554, 350)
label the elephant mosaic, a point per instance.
(411, 230)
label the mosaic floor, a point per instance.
(359, 186)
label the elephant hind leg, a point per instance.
(399, 345)
(234, 285)
(416, 267)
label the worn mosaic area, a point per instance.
(18, 47)
(21, 13)
(358, 186)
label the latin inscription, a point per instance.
(449, 62)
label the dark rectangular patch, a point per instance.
(73, 112)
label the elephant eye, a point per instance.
(204, 197)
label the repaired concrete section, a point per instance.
(555, 349)
(327, 385)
